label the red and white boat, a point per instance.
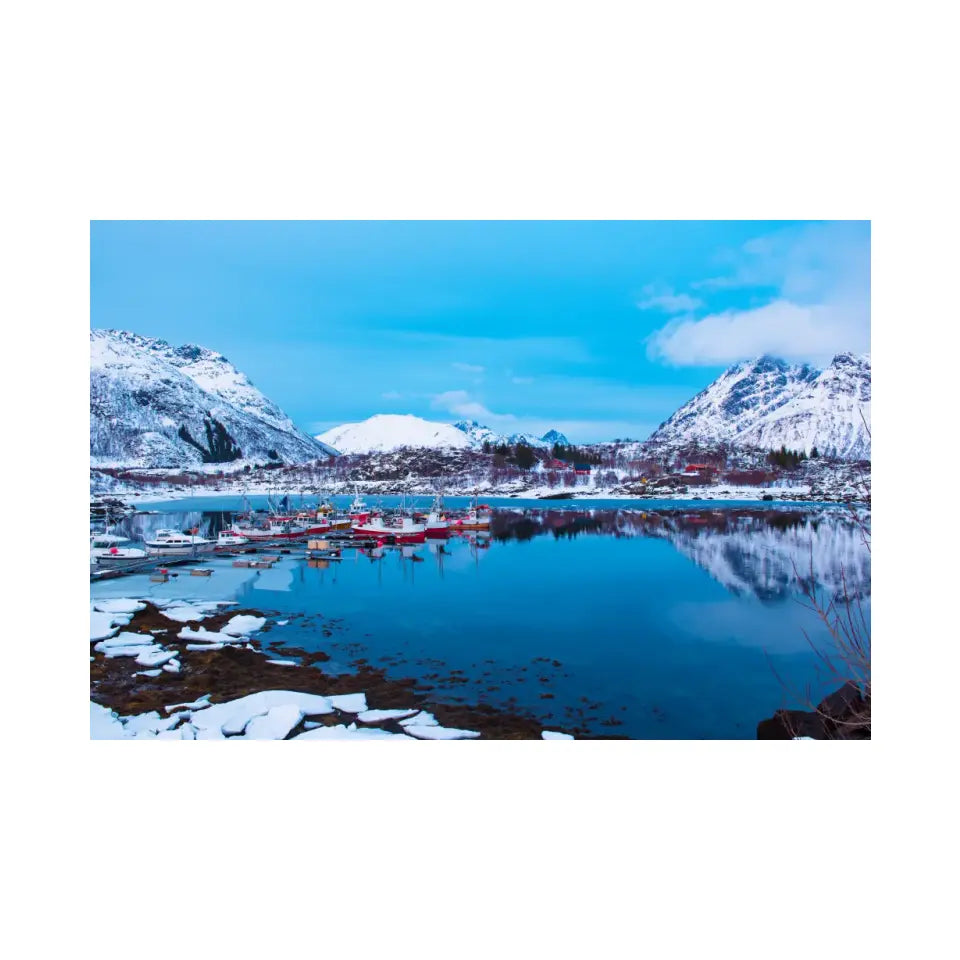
(230, 538)
(400, 529)
(436, 522)
(358, 511)
(476, 518)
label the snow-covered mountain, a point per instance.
(769, 403)
(388, 431)
(154, 405)
(480, 434)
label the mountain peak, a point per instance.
(768, 402)
(154, 405)
(555, 436)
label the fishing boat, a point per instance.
(173, 543)
(107, 548)
(477, 517)
(436, 522)
(401, 529)
(358, 511)
(275, 528)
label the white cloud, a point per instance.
(468, 368)
(816, 281)
(664, 298)
(781, 328)
(459, 402)
(521, 381)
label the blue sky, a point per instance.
(598, 328)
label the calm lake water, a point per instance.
(660, 620)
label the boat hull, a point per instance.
(181, 550)
(397, 536)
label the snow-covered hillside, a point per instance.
(388, 431)
(154, 405)
(769, 403)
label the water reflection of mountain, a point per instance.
(749, 551)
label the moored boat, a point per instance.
(107, 548)
(401, 529)
(174, 543)
(230, 538)
(436, 522)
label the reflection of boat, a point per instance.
(174, 543)
(108, 547)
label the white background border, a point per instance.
(493, 110)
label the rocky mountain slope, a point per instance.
(386, 431)
(154, 405)
(769, 403)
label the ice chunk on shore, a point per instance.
(121, 605)
(197, 704)
(103, 625)
(421, 719)
(142, 651)
(183, 613)
(554, 735)
(126, 639)
(208, 636)
(205, 646)
(283, 663)
(340, 732)
(172, 667)
(151, 721)
(275, 724)
(243, 624)
(377, 716)
(151, 657)
(105, 724)
(349, 702)
(239, 712)
(432, 732)
(148, 673)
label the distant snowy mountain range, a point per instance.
(768, 403)
(764, 403)
(389, 431)
(154, 405)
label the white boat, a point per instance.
(169, 543)
(108, 547)
(230, 538)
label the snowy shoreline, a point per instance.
(545, 494)
(149, 659)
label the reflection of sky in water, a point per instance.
(682, 624)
